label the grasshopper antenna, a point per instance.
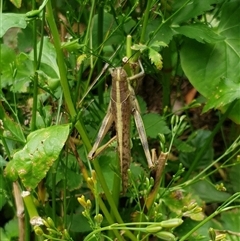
(99, 76)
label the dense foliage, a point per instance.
(51, 109)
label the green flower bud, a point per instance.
(171, 223)
(89, 205)
(66, 234)
(98, 218)
(52, 231)
(212, 234)
(220, 237)
(154, 228)
(51, 223)
(162, 138)
(38, 231)
(82, 201)
(164, 235)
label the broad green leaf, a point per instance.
(201, 32)
(213, 68)
(234, 177)
(11, 229)
(155, 124)
(17, 73)
(74, 179)
(155, 58)
(164, 31)
(226, 92)
(197, 142)
(48, 58)
(12, 127)
(231, 221)
(74, 220)
(3, 235)
(37, 156)
(183, 146)
(209, 193)
(10, 20)
(184, 10)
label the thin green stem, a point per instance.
(35, 77)
(233, 147)
(166, 75)
(79, 125)
(63, 74)
(41, 40)
(207, 143)
(168, 19)
(100, 40)
(65, 194)
(222, 208)
(145, 21)
(54, 177)
(27, 231)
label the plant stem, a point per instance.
(35, 77)
(166, 75)
(222, 208)
(207, 143)
(79, 126)
(100, 40)
(145, 21)
(63, 74)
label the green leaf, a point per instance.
(17, 73)
(14, 128)
(74, 180)
(155, 124)
(200, 32)
(197, 142)
(41, 150)
(231, 221)
(192, 9)
(164, 33)
(11, 229)
(16, 3)
(213, 68)
(3, 192)
(234, 177)
(209, 193)
(225, 92)
(10, 20)
(157, 44)
(183, 146)
(139, 47)
(3, 235)
(155, 58)
(48, 58)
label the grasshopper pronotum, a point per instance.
(122, 105)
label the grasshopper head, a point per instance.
(119, 74)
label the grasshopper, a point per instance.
(123, 104)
